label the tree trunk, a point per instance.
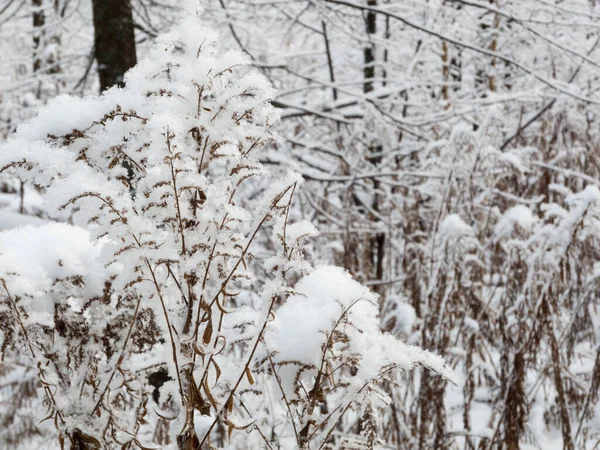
(377, 242)
(369, 50)
(38, 22)
(114, 40)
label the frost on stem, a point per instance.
(156, 272)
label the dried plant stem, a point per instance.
(46, 388)
(121, 356)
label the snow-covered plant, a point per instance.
(152, 320)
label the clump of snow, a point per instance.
(454, 226)
(304, 322)
(589, 195)
(518, 216)
(328, 300)
(299, 230)
(32, 258)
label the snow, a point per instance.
(519, 216)
(329, 300)
(299, 230)
(453, 226)
(32, 258)
(9, 220)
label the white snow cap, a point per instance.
(325, 298)
(519, 215)
(454, 226)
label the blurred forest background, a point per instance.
(451, 152)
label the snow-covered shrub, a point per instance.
(151, 320)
